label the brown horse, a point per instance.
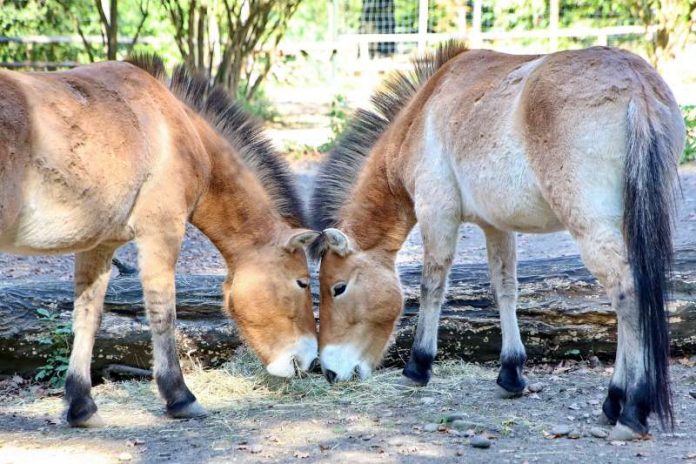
(104, 154)
(585, 140)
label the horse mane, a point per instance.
(242, 130)
(342, 167)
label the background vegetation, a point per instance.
(236, 42)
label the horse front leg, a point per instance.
(92, 272)
(440, 232)
(502, 263)
(157, 258)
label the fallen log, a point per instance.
(562, 311)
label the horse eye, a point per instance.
(338, 289)
(302, 283)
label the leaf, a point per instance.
(44, 312)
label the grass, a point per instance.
(243, 383)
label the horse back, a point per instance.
(97, 137)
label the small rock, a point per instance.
(693, 394)
(427, 400)
(594, 402)
(594, 362)
(454, 417)
(123, 457)
(574, 407)
(536, 387)
(617, 443)
(479, 441)
(460, 424)
(574, 435)
(598, 432)
(432, 427)
(255, 449)
(560, 430)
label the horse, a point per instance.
(587, 141)
(107, 153)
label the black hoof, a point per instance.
(187, 411)
(510, 377)
(419, 367)
(330, 375)
(612, 404)
(81, 410)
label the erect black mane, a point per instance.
(239, 128)
(343, 165)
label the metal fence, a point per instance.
(379, 34)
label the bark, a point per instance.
(562, 311)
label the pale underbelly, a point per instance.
(53, 221)
(504, 194)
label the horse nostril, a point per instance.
(330, 375)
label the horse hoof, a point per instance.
(93, 421)
(621, 432)
(409, 382)
(505, 394)
(189, 411)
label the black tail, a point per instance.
(650, 174)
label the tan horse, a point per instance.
(103, 154)
(585, 140)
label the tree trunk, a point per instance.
(563, 312)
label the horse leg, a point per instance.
(502, 264)
(440, 232)
(627, 404)
(92, 271)
(157, 259)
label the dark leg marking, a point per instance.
(636, 409)
(81, 406)
(419, 367)
(613, 403)
(175, 392)
(510, 377)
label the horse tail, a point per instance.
(650, 171)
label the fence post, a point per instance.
(476, 41)
(553, 23)
(333, 36)
(422, 25)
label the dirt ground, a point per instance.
(255, 418)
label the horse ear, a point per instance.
(338, 242)
(300, 238)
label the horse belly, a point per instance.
(499, 189)
(55, 218)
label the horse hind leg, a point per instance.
(627, 404)
(502, 263)
(92, 272)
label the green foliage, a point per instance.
(689, 154)
(259, 104)
(338, 119)
(57, 342)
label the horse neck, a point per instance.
(235, 212)
(379, 214)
